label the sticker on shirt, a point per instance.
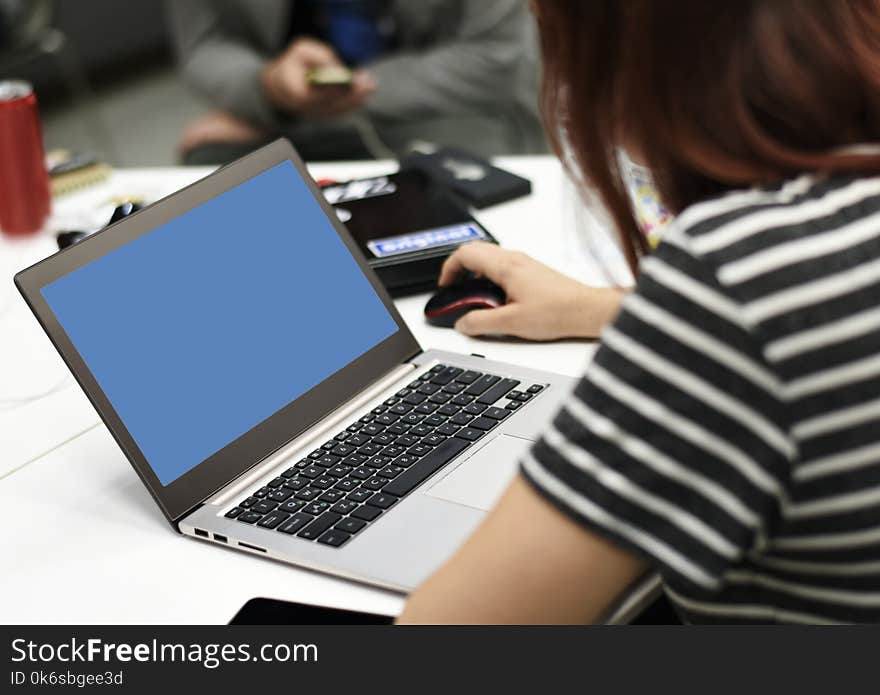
(431, 238)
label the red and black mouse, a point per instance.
(451, 303)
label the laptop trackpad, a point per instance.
(479, 480)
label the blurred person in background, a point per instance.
(450, 72)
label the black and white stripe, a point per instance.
(729, 425)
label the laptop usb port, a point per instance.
(222, 539)
(202, 533)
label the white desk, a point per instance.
(84, 542)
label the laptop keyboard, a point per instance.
(352, 479)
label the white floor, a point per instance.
(143, 118)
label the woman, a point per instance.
(726, 433)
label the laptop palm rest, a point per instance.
(480, 479)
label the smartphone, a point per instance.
(330, 76)
(267, 611)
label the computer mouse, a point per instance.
(451, 303)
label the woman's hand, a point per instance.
(542, 304)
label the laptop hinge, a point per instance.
(315, 435)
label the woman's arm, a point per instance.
(542, 304)
(526, 563)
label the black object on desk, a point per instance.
(121, 211)
(451, 303)
(406, 225)
(474, 180)
(266, 611)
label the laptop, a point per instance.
(256, 374)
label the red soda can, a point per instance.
(24, 182)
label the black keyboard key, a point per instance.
(234, 512)
(401, 409)
(382, 500)
(290, 472)
(470, 434)
(419, 450)
(279, 495)
(498, 391)
(250, 517)
(291, 506)
(367, 418)
(403, 393)
(413, 385)
(434, 439)
(339, 471)
(378, 462)
(468, 377)
(520, 396)
(358, 458)
(342, 436)
(347, 506)
(374, 484)
(312, 472)
(302, 463)
(447, 375)
(405, 461)
(368, 450)
(440, 398)
(362, 473)
(342, 450)
(358, 440)
(308, 494)
(248, 503)
(383, 439)
(347, 484)
(316, 454)
(535, 388)
(327, 461)
(373, 429)
(476, 408)
(316, 508)
(421, 430)
(398, 428)
(407, 440)
(449, 409)
(484, 423)
(429, 465)
(263, 507)
(360, 495)
(391, 401)
(461, 419)
(435, 421)
(496, 413)
(391, 472)
(272, 519)
(392, 451)
(324, 482)
(326, 446)
(296, 483)
(262, 492)
(332, 496)
(334, 538)
(355, 427)
(448, 429)
(319, 525)
(427, 408)
(412, 418)
(415, 398)
(513, 405)
(387, 419)
(482, 384)
(436, 368)
(295, 523)
(365, 512)
(350, 525)
(428, 389)
(453, 389)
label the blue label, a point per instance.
(417, 241)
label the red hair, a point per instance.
(711, 95)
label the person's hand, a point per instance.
(542, 304)
(285, 82)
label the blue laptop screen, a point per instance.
(204, 327)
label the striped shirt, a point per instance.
(729, 425)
